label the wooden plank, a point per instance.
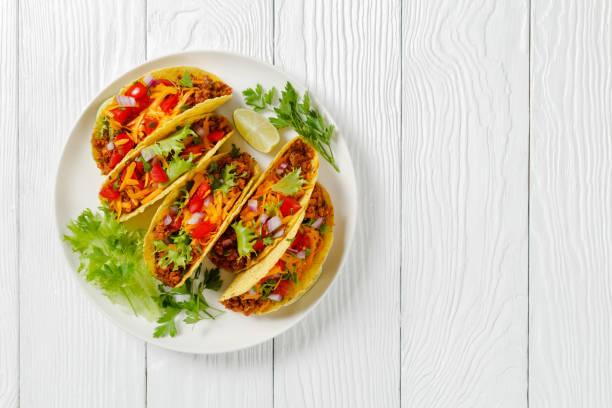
(9, 289)
(464, 201)
(232, 379)
(346, 352)
(571, 192)
(71, 356)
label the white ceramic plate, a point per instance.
(78, 181)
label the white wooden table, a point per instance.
(481, 271)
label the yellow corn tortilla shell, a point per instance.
(198, 110)
(136, 152)
(312, 274)
(149, 249)
(260, 265)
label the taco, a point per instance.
(149, 171)
(149, 107)
(261, 291)
(273, 212)
(190, 218)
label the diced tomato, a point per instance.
(300, 242)
(283, 287)
(169, 103)
(137, 91)
(109, 193)
(289, 206)
(203, 189)
(202, 229)
(115, 159)
(158, 174)
(140, 166)
(176, 223)
(195, 204)
(150, 126)
(124, 148)
(193, 149)
(122, 114)
(166, 82)
(259, 245)
(281, 264)
(216, 136)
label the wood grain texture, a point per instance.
(233, 379)
(571, 194)
(346, 352)
(71, 356)
(9, 288)
(464, 203)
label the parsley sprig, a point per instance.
(300, 116)
(196, 308)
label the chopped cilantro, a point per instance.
(257, 98)
(185, 80)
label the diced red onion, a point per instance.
(226, 243)
(195, 218)
(150, 81)
(292, 251)
(167, 220)
(283, 166)
(279, 233)
(173, 209)
(124, 100)
(252, 292)
(199, 130)
(208, 200)
(301, 254)
(253, 205)
(276, 276)
(263, 218)
(279, 172)
(275, 297)
(274, 223)
(147, 154)
(317, 224)
(110, 146)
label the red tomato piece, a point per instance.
(169, 103)
(115, 159)
(109, 193)
(166, 82)
(216, 136)
(281, 264)
(258, 245)
(124, 148)
(158, 174)
(122, 114)
(289, 206)
(193, 149)
(195, 205)
(140, 167)
(176, 223)
(300, 242)
(137, 91)
(202, 190)
(283, 287)
(150, 126)
(202, 229)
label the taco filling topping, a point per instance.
(145, 176)
(188, 225)
(283, 278)
(144, 107)
(265, 218)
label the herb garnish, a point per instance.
(290, 184)
(257, 98)
(185, 80)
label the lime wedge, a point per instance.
(256, 130)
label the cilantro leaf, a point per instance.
(267, 287)
(111, 259)
(173, 143)
(212, 280)
(227, 180)
(185, 80)
(245, 237)
(235, 152)
(271, 208)
(257, 99)
(290, 183)
(166, 327)
(178, 166)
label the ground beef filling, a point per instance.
(104, 155)
(172, 278)
(317, 207)
(299, 157)
(208, 90)
(245, 306)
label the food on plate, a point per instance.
(149, 171)
(194, 213)
(261, 291)
(150, 107)
(256, 130)
(274, 211)
(298, 115)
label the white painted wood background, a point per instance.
(483, 126)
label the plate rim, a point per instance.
(85, 287)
